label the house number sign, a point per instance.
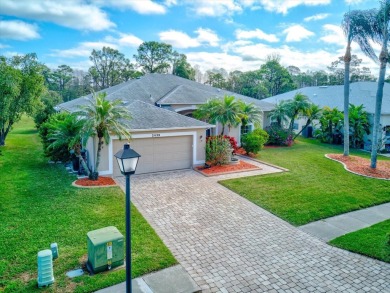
(155, 134)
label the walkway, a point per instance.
(228, 244)
(334, 227)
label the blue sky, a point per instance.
(233, 34)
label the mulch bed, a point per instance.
(362, 166)
(102, 181)
(217, 170)
(241, 151)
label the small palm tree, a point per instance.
(279, 113)
(381, 36)
(357, 26)
(68, 132)
(359, 124)
(312, 113)
(298, 105)
(103, 118)
(250, 113)
(226, 111)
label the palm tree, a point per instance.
(279, 113)
(298, 105)
(359, 124)
(226, 111)
(68, 132)
(312, 113)
(102, 118)
(357, 26)
(250, 113)
(381, 36)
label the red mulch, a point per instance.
(102, 181)
(215, 170)
(241, 151)
(362, 166)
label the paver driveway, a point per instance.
(228, 244)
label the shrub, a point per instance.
(278, 135)
(233, 142)
(253, 142)
(60, 153)
(218, 150)
(262, 133)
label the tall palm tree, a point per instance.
(298, 105)
(312, 113)
(279, 113)
(68, 132)
(102, 118)
(250, 113)
(381, 36)
(357, 26)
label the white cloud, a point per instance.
(282, 6)
(182, 40)
(207, 36)
(18, 30)
(125, 40)
(139, 6)
(72, 13)
(207, 60)
(214, 8)
(84, 49)
(333, 34)
(316, 17)
(297, 33)
(257, 33)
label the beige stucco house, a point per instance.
(163, 130)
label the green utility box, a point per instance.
(105, 249)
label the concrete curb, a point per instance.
(81, 186)
(346, 168)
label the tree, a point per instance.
(64, 131)
(182, 68)
(154, 57)
(215, 79)
(313, 112)
(276, 79)
(330, 125)
(299, 105)
(107, 66)
(102, 118)
(226, 111)
(381, 36)
(21, 84)
(358, 125)
(280, 113)
(357, 27)
(250, 113)
(48, 101)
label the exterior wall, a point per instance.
(92, 149)
(199, 146)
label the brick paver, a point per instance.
(228, 244)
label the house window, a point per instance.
(246, 129)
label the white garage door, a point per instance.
(158, 154)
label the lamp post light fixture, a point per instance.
(127, 160)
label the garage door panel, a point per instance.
(160, 154)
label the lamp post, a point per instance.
(128, 159)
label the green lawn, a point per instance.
(314, 188)
(372, 241)
(39, 206)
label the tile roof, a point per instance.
(333, 96)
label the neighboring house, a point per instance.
(361, 93)
(162, 129)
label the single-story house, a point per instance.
(361, 93)
(163, 131)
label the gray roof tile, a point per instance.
(333, 96)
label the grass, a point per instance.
(39, 206)
(314, 188)
(373, 241)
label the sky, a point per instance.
(232, 34)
